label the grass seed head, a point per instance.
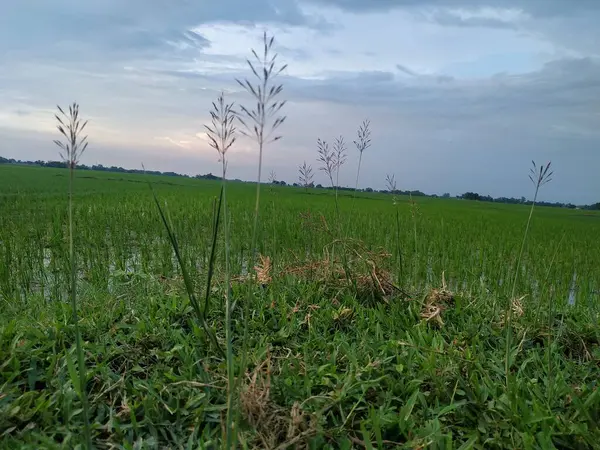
(540, 176)
(260, 122)
(305, 175)
(327, 159)
(221, 132)
(363, 140)
(71, 127)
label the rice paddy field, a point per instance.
(373, 324)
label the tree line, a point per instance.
(209, 176)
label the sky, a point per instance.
(461, 94)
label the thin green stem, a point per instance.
(230, 437)
(508, 313)
(358, 172)
(78, 344)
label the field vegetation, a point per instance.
(147, 311)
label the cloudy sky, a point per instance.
(461, 94)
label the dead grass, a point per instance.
(517, 310)
(363, 274)
(276, 427)
(437, 301)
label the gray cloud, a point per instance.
(545, 8)
(68, 29)
(444, 17)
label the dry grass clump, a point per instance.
(377, 283)
(436, 302)
(263, 270)
(276, 427)
(368, 280)
(361, 273)
(364, 275)
(517, 309)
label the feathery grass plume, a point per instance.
(327, 159)
(305, 175)
(71, 127)
(362, 142)
(339, 154)
(390, 183)
(539, 177)
(221, 136)
(261, 122)
(272, 180)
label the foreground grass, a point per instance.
(327, 367)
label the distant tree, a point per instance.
(446, 195)
(58, 164)
(471, 196)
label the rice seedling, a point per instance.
(71, 127)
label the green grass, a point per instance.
(334, 367)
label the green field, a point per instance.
(374, 360)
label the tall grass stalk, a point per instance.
(331, 161)
(538, 177)
(390, 181)
(362, 142)
(221, 136)
(261, 122)
(71, 127)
